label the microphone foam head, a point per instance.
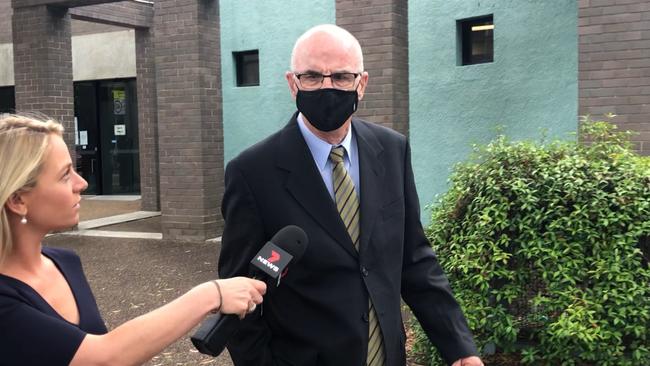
(293, 240)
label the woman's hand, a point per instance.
(240, 294)
(139, 339)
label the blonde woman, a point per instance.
(48, 315)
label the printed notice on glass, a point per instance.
(120, 130)
(83, 137)
(119, 102)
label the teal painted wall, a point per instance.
(270, 26)
(531, 85)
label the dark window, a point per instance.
(476, 38)
(247, 64)
(7, 99)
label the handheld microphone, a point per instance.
(271, 263)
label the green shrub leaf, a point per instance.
(546, 246)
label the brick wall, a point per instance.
(209, 76)
(80, 27)
(614, 64)
(43, 64)
(111, 17)
(147, 120)
(5, 21)
(381, 26)
(190, 128)
(59, 3)
(123, 14)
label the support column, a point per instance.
(190, 127)
(43, 64)
(381, 26)
(147, 119)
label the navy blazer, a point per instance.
(319, 314)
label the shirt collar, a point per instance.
(320, 149)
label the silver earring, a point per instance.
(23, 220)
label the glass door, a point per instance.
(87, 135)
(107, 136)
(118, 123)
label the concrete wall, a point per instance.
(6, 47)
(530, 86)
(94, 56)
(5, 21)
(6, 64)
(271, 26)
(104, 55)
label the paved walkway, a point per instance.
(131, 276)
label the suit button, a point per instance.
(364, 271)
(364, 317)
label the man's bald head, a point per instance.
(330, 35)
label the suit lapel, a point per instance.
(371, 173)
(306, 185)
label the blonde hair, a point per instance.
(23, 142)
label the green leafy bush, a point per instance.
(546, 247)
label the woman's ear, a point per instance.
(16, 204)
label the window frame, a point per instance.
(466, 42)
(241, 66)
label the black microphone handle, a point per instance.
(213, 334)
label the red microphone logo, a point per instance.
(275, 256)
(271, 259)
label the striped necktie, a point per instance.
(347, 203)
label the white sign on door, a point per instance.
(120, 130)
(83, 137)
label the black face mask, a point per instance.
(327, 109)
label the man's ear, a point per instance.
(362, 84)
(293, 88)
(16, 204)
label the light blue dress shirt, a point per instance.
(320, 151)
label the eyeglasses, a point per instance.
(340, 80)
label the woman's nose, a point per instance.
(80, 184)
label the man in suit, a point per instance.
(349, 184)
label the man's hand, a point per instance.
(469, 361)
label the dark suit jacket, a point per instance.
(319, 314)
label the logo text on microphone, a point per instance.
(271, 260)
(266, 262)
